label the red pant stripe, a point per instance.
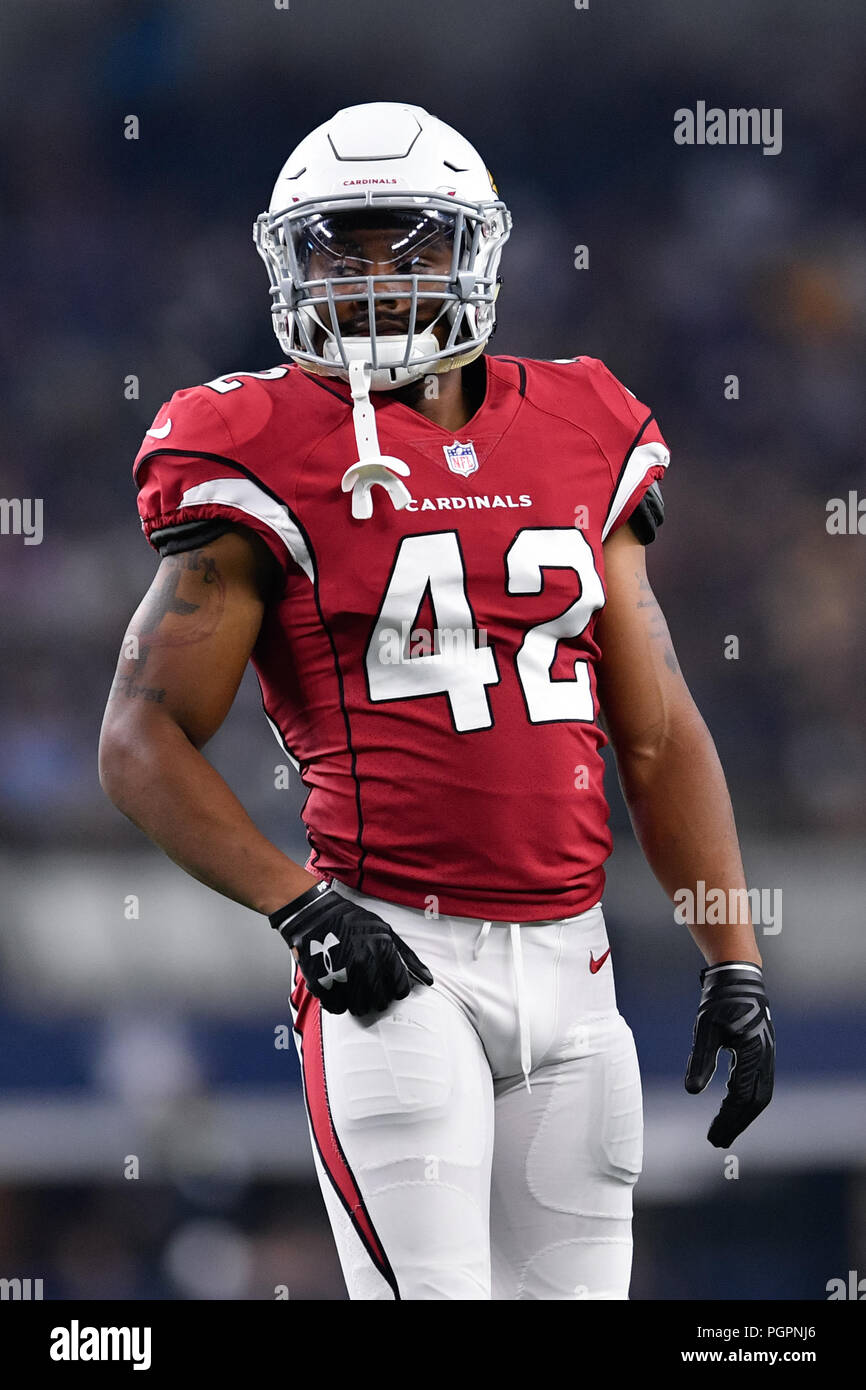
(308, 1024)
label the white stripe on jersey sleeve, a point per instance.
(643, 458)
(244, 496)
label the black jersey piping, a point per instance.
(623, 465)
(212, 458)
(293, 756)
(522, 370)
(317, 381)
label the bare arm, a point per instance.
(668, 766)
(180, 666)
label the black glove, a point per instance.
(348, 956)
(734, 1013)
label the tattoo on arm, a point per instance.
(199, 620)
(204, 616)
(658, 628)
(125, 685)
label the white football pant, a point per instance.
(481, 1138)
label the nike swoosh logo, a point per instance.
(595, 965)
(161, 432)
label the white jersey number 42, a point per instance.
(462, 668)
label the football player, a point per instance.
(434, 559)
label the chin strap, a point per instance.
(372, 467)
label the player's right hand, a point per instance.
(350, 958)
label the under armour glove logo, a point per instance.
(366, 964)
(323, 948)
(734, 1013)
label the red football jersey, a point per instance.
(429, 670)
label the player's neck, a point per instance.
(449, 399)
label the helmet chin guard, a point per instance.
(389, 352)
(422, 192)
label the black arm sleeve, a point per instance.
(648, 515)
(187, 535)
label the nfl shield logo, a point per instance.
(461, 458)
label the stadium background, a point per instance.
(155, 1036)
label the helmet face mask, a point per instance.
(374, 274)
(404, 278)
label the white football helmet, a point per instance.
(438, 229)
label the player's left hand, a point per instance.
(734, 1013)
